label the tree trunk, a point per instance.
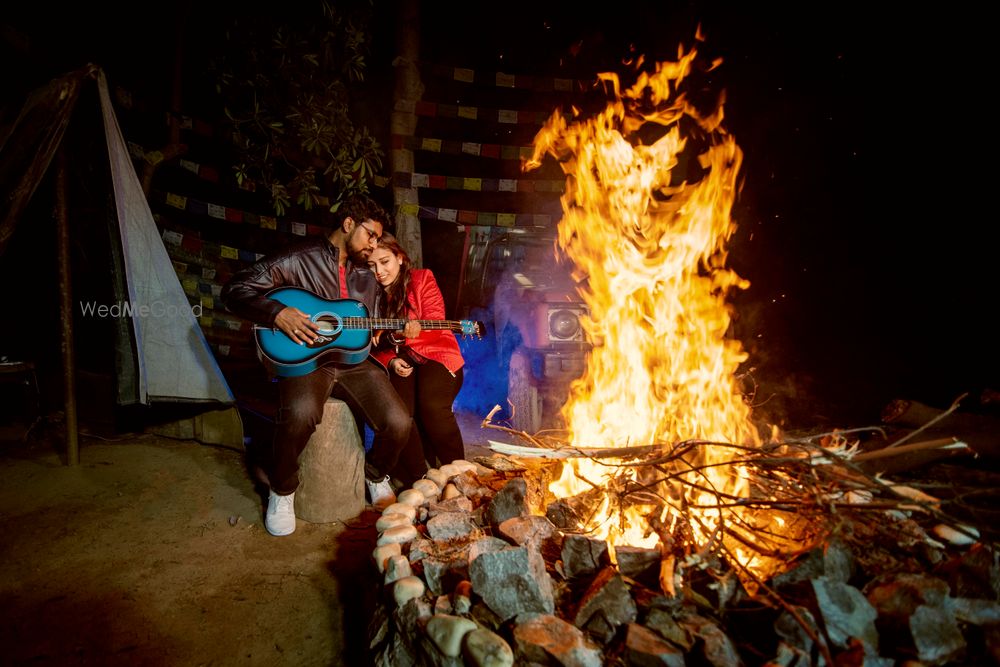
(409, 89)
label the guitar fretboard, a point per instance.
(382, 323)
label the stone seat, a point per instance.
(332, 469)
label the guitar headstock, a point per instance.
(472, 328)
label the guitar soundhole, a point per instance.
(327, 325)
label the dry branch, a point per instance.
(940, 443)
(816, 482)
(934, 420)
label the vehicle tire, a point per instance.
(523, 394)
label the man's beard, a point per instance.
(359, 256)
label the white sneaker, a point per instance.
(280, 517)
(381, 493)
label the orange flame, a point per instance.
(653, 249)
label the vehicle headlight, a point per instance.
(564, 324)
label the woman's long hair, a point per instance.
(395, 302)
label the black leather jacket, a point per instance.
(312, 264)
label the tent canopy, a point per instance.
(140, 310)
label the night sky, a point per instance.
(861, 223)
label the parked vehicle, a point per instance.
(519, 283)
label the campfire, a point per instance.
(652, 247)
(664, 516)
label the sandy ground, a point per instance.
(152, 551)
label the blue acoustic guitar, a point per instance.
(345, 333)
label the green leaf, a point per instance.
(287, 87)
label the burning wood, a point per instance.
(794, 491)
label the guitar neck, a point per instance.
(395, 324)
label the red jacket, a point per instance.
(426, 302)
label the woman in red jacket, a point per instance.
(426, 370)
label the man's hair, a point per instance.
(361, 208)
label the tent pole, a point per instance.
(66, 312)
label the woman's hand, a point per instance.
(401, 367)
(411, 329)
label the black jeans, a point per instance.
(429, 393)
(366, 389)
